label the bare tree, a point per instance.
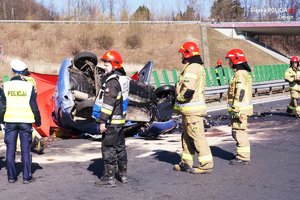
(111, 9)
(124, 11)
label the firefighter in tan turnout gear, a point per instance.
(190, 103)
(240, 104)
(292, 75)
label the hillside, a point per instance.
(44, 46)
(219, 44)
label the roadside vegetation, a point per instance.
(44, 46)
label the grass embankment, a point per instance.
(44, 46)
(219, 44)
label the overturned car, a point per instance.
(149, 112)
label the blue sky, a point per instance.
(154, 5)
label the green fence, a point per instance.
(5, 78)
(259, 74)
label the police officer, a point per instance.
(190, 103)
(239, 99)
(110, 110)
(292, 75)
(19, 111)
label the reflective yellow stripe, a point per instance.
(243, 149)
(189, 75)
(106, 111)
(205, 159)
(189, 108)
(186, 156)
(118, 97)
(181, 98)
(118, 121)
(108, 107)
(245, 107)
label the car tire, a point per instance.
(80, 58)
(85, 108)
(165, 91)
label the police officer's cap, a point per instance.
(18, 65)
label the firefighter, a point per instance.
(190, 103)
(292, 75)
(19, 110)
(110, 111)
(219, 66)
(239, 99)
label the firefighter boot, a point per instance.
(184, 167)
(108, 179)
(203, 168)
(200, 170)
(122, 172)
(237, 161)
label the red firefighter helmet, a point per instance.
(219, 62)
(236, 56)
(294, 59)
(114, 58)
(189, 49)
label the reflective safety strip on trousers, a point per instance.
(244, 106)
(205, 159)
(186, 156)
(243, 149)
(199, 105)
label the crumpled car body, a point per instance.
(149, 111)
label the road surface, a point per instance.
(69, 168)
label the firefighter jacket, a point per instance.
(18, 102)
(239, 96)
(112, 100)
(290, 76)
(190, 90)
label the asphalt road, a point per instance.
(69, 168)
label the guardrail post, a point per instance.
(156, 79)
(175, 76)
(207, 78)
(165, 77)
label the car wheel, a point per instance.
(80, 58)
(165, 91)
(85, 108)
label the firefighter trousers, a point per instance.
(294, 105)
(113, 149)
(194, 142)
(240, 135)
(12, 130)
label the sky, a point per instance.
(154, 5)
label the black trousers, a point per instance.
(113, 147)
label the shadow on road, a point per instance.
(167, 156)
(97, 167)
(2, 162)
(221, 153)
(174, 158)
(34, 167)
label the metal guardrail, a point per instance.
(270, 85)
